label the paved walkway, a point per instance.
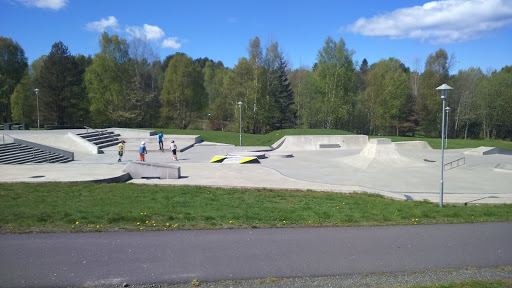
(96, 259)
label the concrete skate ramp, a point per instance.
(488, 151)
(139, 170)
(313, 142)
(412, 145)
(380, 152)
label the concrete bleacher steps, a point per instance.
(13, 153)
(102, 139)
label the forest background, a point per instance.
(126, 85)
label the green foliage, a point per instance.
(387, 89)
(59, 206)
(183, 95)
(13, 64)
(495, 104)
(22, 101)
(429, 99)
(336, 84)
(463, 102)
(108, 82)
(61, 90)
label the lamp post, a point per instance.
(444, 93)
(37, 101)
(240, 105)
(447, 109)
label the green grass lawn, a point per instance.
(68, 207)
(470, 284)
(271, 138)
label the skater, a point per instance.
(120, 148)
(142, 151)
(161, 141)
(173, 149)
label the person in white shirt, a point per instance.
(173, 149)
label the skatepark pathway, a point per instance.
(101, 259)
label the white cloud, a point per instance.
(51, 4)
(171, 42)
(103, 24)
(446, 21)
(147, 32)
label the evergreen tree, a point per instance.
(285, 100)
(60, 85)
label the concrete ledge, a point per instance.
(139, 170)
(64, 153)
(93, 149)
(488, 151)
(412, 145)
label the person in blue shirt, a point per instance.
(161, 141)
(142, 151)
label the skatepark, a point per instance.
(339, 163)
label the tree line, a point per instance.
(126, 85)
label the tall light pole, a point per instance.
(444, 93)
(37, 101)
(240, 105)
(447, 109)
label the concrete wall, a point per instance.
(91, 148)
(312, 142)
(139, 170)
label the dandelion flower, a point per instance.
(284, 221)
(148, 222)
(98, 226)
(138, 223)
(77, 222)
(167, 224)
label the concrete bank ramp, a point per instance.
(488, 151)
(320, 142)
(382, 153)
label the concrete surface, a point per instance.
(101, 259)
(141, 170)
(396, 171)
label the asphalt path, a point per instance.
(100, 259)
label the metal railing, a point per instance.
(8, 140)
(100, 132)
(455, 163)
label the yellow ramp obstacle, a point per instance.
(218, 159)
(235, 159)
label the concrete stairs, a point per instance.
(102, 139)
(12, 153)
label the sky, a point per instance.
(477, 32)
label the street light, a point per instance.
(240, 105)
(37, 101)
(447, 109)
(444, 93)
